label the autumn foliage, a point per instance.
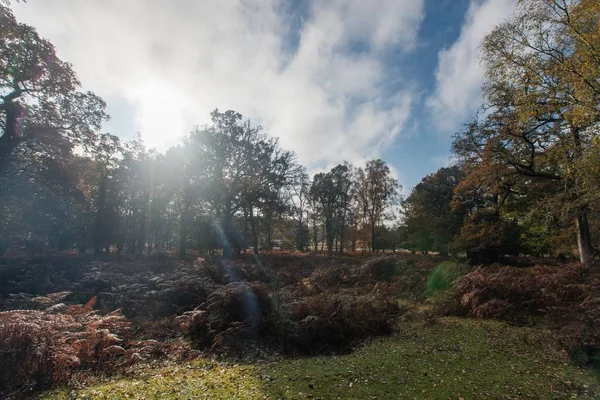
(328, 311)
(565, 299)
(43, 347)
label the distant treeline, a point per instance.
(526, 178)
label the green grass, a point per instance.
(453, 359)
(442, 278)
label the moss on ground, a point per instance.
(452, 359)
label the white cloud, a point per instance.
(459, 74)
(176, 61)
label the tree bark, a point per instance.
(183, 232)
(254, 231)
(10, 137)
(584, 242)
(372, 238)
(100, 225)
(245, 229)
(143, 224)
(330, 235)
(268, 232)
(315, 234)
(227, 222)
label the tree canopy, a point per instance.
(525, 179)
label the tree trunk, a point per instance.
(227, 221)
(584, 242)
(300, 245)
(268, 233)
(315, 236)
(330, 235)
(99, 224)
(143, 224)
(254, 231)
(183, 233)
(10, 139)
(245, 229)
(372, 238)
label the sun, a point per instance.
(160, 115)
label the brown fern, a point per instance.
(90, 304)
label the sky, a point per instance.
(334, 80)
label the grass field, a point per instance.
(454, 358)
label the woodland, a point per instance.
(222, 269)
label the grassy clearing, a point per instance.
(455, 358)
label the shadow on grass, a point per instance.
(456, 358)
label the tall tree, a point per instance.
(377, 191)
(342, 177)
(39, 93)
(298, 193)
(430, 222)
(105, 153)
(323, 192)
(180, 177)
(243, 168)
(542, 95)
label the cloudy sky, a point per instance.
(335, 80)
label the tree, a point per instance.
(298, 192)
(163, 212)
(105, 153)
(136, 177)
(376, 192)
(43, 116)
(180, 178)
(542, 95)
(243, 169)
(324, 194)
(343, 185)
(430, 222)
(39, 93)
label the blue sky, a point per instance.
(335, 80)
(426, 148)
